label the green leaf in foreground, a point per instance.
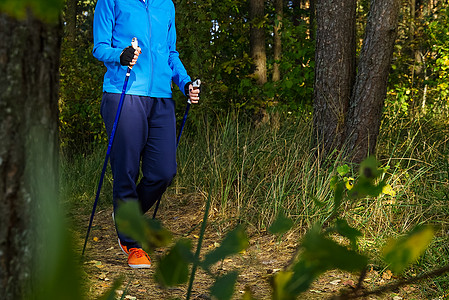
(279, 283)
(173, 269)
(234, 242)
(223, 288)
(281, 225)
(406, 250)
(46, 10)
(325, 254)
(342, 227)
(148, 232)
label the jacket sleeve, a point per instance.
(102, 31)
(180, 77)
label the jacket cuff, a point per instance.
(186, 88)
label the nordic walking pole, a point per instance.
(196, 85)
(108, 153)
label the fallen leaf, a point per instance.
(112, 248)
(130, 297)
(335, 282)
(397, 298)
(350, 283)
(95, 239)
(387, 275)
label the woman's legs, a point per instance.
(146, 131)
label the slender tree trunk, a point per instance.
(334, 70)
(366, 105)
(257, 39)
(277, 40)
(296, 6)
(29, 62)
(312, 18)
(70, 19)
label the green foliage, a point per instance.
(47, 10)
(234, 242)
(321, 252)
(281, 225)
(406, 250)
(81, 125)
(148, 232)
(173, 269)
(223, 288)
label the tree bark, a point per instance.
(29, 63)
(366, 105)
(277, 40)
(257, 40)
(335, 68)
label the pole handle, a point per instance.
(134, 44)
(196, 85)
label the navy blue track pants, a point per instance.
(145, 137)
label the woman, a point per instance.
(146, 133)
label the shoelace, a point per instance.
(138, 252)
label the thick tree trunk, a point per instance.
(366, 105)
(335, 68)
(257, 39)
(29, 62)
(277, 40)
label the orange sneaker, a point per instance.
(138, 259)
(123, 247)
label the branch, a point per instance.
(393, 286)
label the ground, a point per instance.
(104, 261)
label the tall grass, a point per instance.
(258, 172)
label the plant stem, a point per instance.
(200, 242)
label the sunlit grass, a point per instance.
(256, 173)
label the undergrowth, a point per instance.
(256, 173)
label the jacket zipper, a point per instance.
(150, 84)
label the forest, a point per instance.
(315, 165)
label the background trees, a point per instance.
(235, 47)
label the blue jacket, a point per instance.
(152, 22)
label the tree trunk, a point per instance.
(29, 62)
(70, 19)
(277, 40)
(257, 39)
(365, 109)
(334, 70)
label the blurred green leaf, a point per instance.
(279, 284)
(369, 168)
(223, 288)
(234, 242)
(325, 254)
(148, 232)
(342, 227)
(406, 250)
(173, 269)
(46, 10)
(281, 225)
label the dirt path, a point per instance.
(105, 262)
